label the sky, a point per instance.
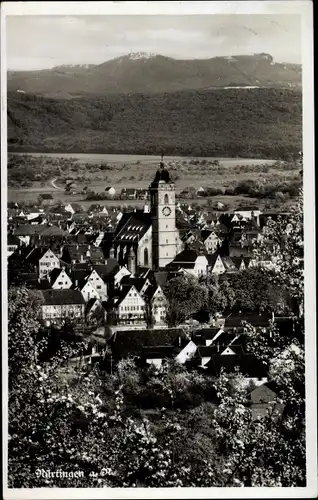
(40, 42)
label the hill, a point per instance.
(151, 73)
(250, 123)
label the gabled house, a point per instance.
(190, 262)
(215, 263)
(186, 353)
(110, 190)
(98, 283)
(59, 279)
(156, 298)
(263, 401)
(123, 271)
(61, 304)
(211, 240)
(124, 343)
(129, 306)
(82, 253)
(44, 259)
(45, 199)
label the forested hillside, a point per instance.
(258, 123)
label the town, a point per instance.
(110, 271)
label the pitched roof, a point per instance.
(104, 270)
(253, 318)
(13, 240)
(131, 342)
(159, 352)
(62, 297)
(133, 228)
(248, 364)
(29, 229)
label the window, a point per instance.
(166, 241)
(60, 283)
(146, 257)
(166, 199)
(98, 287)
(167, 226)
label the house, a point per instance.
(154, 294)
(123, 271)
(45, 198)
(190, 262)
(201, 191)
(215, 264)
(59, 304)
(110, 190)
(44, 259)
(252, 369)
(263, 400)
(129, 306)
(95, 312)
(211, 240)
(98, 283)
(59, 279)
(83, 253)
(235, 320)
(126, 343)
(87, 290)
(25, 231)
(128, 194)
(186, 353)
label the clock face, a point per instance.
(166, 211)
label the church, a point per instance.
(149, 238)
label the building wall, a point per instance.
(145, 250)
(132, 307)
(47, 263)
(89, 292)
(63, 282)
(164, 234)
(212, 242)
(99, 285)
(218, 267)
(50, 312)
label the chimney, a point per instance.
(105, 261)
(76, 282)
(112, 253)
(82, 258)
(179, 340)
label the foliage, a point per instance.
(185, 296)
(190, 123)
(283, 244)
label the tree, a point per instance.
(185, 296)
(283, 244)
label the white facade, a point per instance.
(88, 291)
(211, 243)
(218, 267)
(187, 352)
(144, 251)
(99, 285)
(131, 307)
(123, 271)
(63, 282)
(159, 306)
(51, 312)
(47, 263)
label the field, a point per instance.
(48, 174)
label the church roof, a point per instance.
(135, 225)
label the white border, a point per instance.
(302, 8)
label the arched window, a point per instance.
(166, 202)
(146, 256)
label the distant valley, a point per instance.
(153, 73)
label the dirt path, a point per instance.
(55, 186)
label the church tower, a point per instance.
(163, 216)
